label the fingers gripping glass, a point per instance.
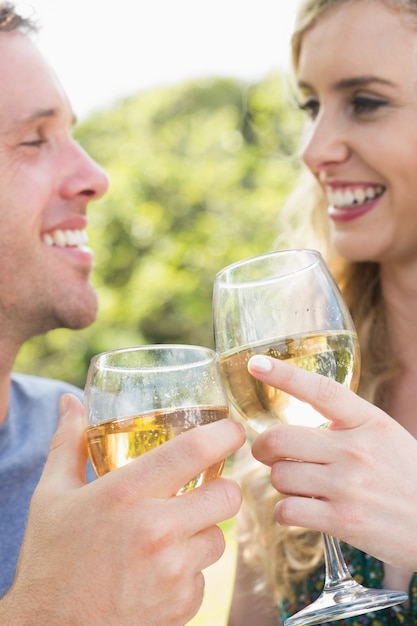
(287, 305)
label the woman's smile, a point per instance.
(360, 97)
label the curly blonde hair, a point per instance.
(281, 557)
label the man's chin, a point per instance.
(80, 321)
(76, 317)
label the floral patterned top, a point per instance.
(370, 573)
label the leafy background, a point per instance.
(199, 174)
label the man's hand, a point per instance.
(123, 549)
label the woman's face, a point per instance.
(357, 77)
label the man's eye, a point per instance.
(36, 143)
(363, 104)
(311, 107)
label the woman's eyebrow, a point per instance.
(361, 81)
(350, 83)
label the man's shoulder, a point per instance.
(33, 415)
(29, 386)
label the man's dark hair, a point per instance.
(11, 20)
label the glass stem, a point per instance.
(337, 573)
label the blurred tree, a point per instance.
(199, 172)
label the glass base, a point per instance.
(345, 601)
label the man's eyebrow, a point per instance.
(350, 83)
(39, 115)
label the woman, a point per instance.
(355, 63)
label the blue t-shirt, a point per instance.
(24, 444)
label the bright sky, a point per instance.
(104, 50)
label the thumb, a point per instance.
(337, 403)
(67, 456)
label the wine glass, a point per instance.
(287, 305)
(140, 397)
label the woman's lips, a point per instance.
(350, 202)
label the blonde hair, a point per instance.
(282, 557)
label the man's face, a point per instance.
(46, 182)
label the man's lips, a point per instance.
(66, 238)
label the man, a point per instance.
(121, 549)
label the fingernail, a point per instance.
(260, 363)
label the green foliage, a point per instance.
(199, 172)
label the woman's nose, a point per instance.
(324, 143)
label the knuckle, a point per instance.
(282, 512)
(274, 440)
(188, 600)
(269, 445)
(197, 445)
(361, 455)
(161, 535)
(279, 476)
(225, 495)
(118, 492)
(232, 496)
(216, 544)
(328, 391)
(57, 441)
(353, 520)
(175, 570)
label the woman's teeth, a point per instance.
(345, 198)
(64, 238)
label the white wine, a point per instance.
(115, 443)
(333, 354)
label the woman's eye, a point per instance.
(362, 105)
(311, 107)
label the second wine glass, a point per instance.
(138, 398)
(287, 305)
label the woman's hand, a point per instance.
(358, 478)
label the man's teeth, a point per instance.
(64, 238)
(343, 198)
